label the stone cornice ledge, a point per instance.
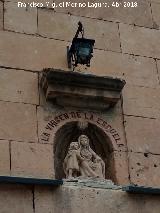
(30, 181)
(81, 90)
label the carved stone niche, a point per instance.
(73, 89)
(74, 157)
(81, 147)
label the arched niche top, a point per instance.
(52, 127)
(100, 143)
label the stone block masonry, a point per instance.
(156, 14)
(144, 169)
(140, 41)
(142, 134)
(32, 160)
(124, 15)
(25, 199)
(24, 86)
(1, 15)
(18, 122)
(138, 71)
(20, 19)
(5, 157)
(127, 46)
(80, 199)
(141, 101)
(32, 53)
(54, 25)
(16, 198)
(41, 52)
(158, 66)
(157, 1)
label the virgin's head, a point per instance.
(83, 141)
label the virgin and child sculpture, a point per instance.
(82, 161)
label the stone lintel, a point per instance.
(81, 90)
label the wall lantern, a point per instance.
(81, 49)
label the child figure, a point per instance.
(71, 161)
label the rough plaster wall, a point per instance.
(127, 46)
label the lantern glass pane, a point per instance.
(84, 51)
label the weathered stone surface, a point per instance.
(103, 62)
(1, 15)
(20, 19)
(140, 15)
(140, 41)
(19, 86)
(157, 1)
(135, 70)
(32, 160)
(121, 168)
(16, 199)
(70, 199)
(44, 199)
(112, 117)
(4, 158)
(55, 135)
(18, 122)
(144, 169)
(64, 26)
(32, 53)
(90, 92)
(158, 66)
(142, 134)
(156, 15)
(141, 101)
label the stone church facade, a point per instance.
(45, 107)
